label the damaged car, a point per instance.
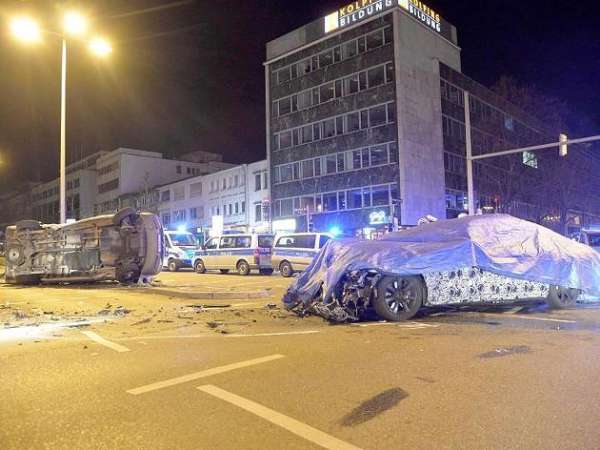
(492, 259)
(126, 246)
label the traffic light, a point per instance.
(562, 145)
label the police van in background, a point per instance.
(295, 251)
(180, 247)
(240, 252)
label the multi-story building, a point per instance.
(16, 205)
(81, 192)
(365, 122)
(125, 172)
(232, 199)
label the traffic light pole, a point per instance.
(562, 144)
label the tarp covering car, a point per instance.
(498, 243)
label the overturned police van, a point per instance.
(471, 260)
(126, 246)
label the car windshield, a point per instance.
(182, 239)
(265, 241)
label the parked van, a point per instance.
(239, 252)
(180, 247)
(294, 252)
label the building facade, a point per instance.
(234, 199)
(366, 124)
(125, 172)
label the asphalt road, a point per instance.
(210, 361)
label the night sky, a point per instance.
(192, 77)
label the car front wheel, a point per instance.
(561, 298)
(285, 269)
(173, 265)
(243, 268)
(399, 298)
(199, 266)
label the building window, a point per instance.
(258, 212)
(196, 189)
(243, 207)
(257, 182)
(237, 208)
(193, 213)
(178, 169)
(108, 186)
(166, 219)
(179, 193)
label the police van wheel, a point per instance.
(243, 268)
(173, 265)
(224, 271)
(199, 266)
(285, 269)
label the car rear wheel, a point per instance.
(560, 297)
(199, 266)
(399, 298)
(224, 271)
(173, 265)
(285, 269)
(243, 268)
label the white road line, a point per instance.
(410, 325)
(219, 336)
(292, 425)
(100, 340)
(286, 333)
(518, 316)
(202, 374)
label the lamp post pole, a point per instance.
(63, 150)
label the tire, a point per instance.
(224, 271)
(285, 269)
(173, 265)
(243, 268)
(399, 298)
(561, 298)
(266, 271)
(199, 266)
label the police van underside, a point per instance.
(126, 246)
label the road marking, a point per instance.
(292, 425)
(100, 340)
(202, 374)
(286, 333)
(219, 336)
(409, 325)
(518, 316)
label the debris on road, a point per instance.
(140, 322)
(505, 351)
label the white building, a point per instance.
(232, 199)
(81, 192)
(126, 171)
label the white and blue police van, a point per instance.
(180, 248)
(293, 252)
(240, 252)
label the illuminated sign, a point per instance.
(361, 9)
(377, 218)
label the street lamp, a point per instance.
(74, 25)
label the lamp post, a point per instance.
(74, 25)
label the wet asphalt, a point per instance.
(231, 373)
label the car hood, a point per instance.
(498, 243)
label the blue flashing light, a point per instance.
(181, 228)
(335, 230)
